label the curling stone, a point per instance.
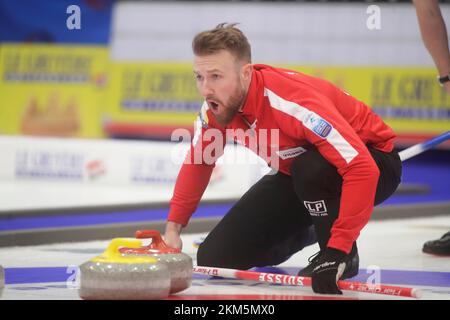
(112, 276)
(180, 264)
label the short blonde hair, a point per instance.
(223, 37)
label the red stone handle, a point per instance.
(157, 241)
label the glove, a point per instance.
(328, 271)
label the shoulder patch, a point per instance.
(319, 126)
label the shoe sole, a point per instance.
(436, 253)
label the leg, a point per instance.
(265, 227)
(319, 187)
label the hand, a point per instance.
(328, 271)
(172, 235)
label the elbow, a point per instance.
(374, 171)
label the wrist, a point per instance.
(173, 227)
(335, 254)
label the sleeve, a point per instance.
(320, 123)
(206, 147)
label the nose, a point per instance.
(205, 89)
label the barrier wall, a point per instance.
(140, 171)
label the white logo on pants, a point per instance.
(316, 208)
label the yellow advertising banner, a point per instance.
(153, 93)
(409, 99)
(55, 90)
(77, 91)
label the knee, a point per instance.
(222, 257)
(210, 256)
(205, 257)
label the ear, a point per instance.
(247, 71)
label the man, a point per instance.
(434, 35)
(333, 160)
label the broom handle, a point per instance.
(306, 281)
(424, 146)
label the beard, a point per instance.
(231, 107)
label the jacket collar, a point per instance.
(255, 94)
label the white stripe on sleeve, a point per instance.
(315, 123)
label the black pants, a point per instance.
(270, 222)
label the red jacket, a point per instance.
(308, 112)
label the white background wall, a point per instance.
(296, 33)
(60, 173)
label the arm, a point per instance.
(189, 188)
(343, 148)
(192, 179)
(434, 35)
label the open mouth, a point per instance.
(213, 105)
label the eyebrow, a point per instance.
(210, 71)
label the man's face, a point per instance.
(223, 83)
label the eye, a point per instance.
(215, 76)
(198, 77)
